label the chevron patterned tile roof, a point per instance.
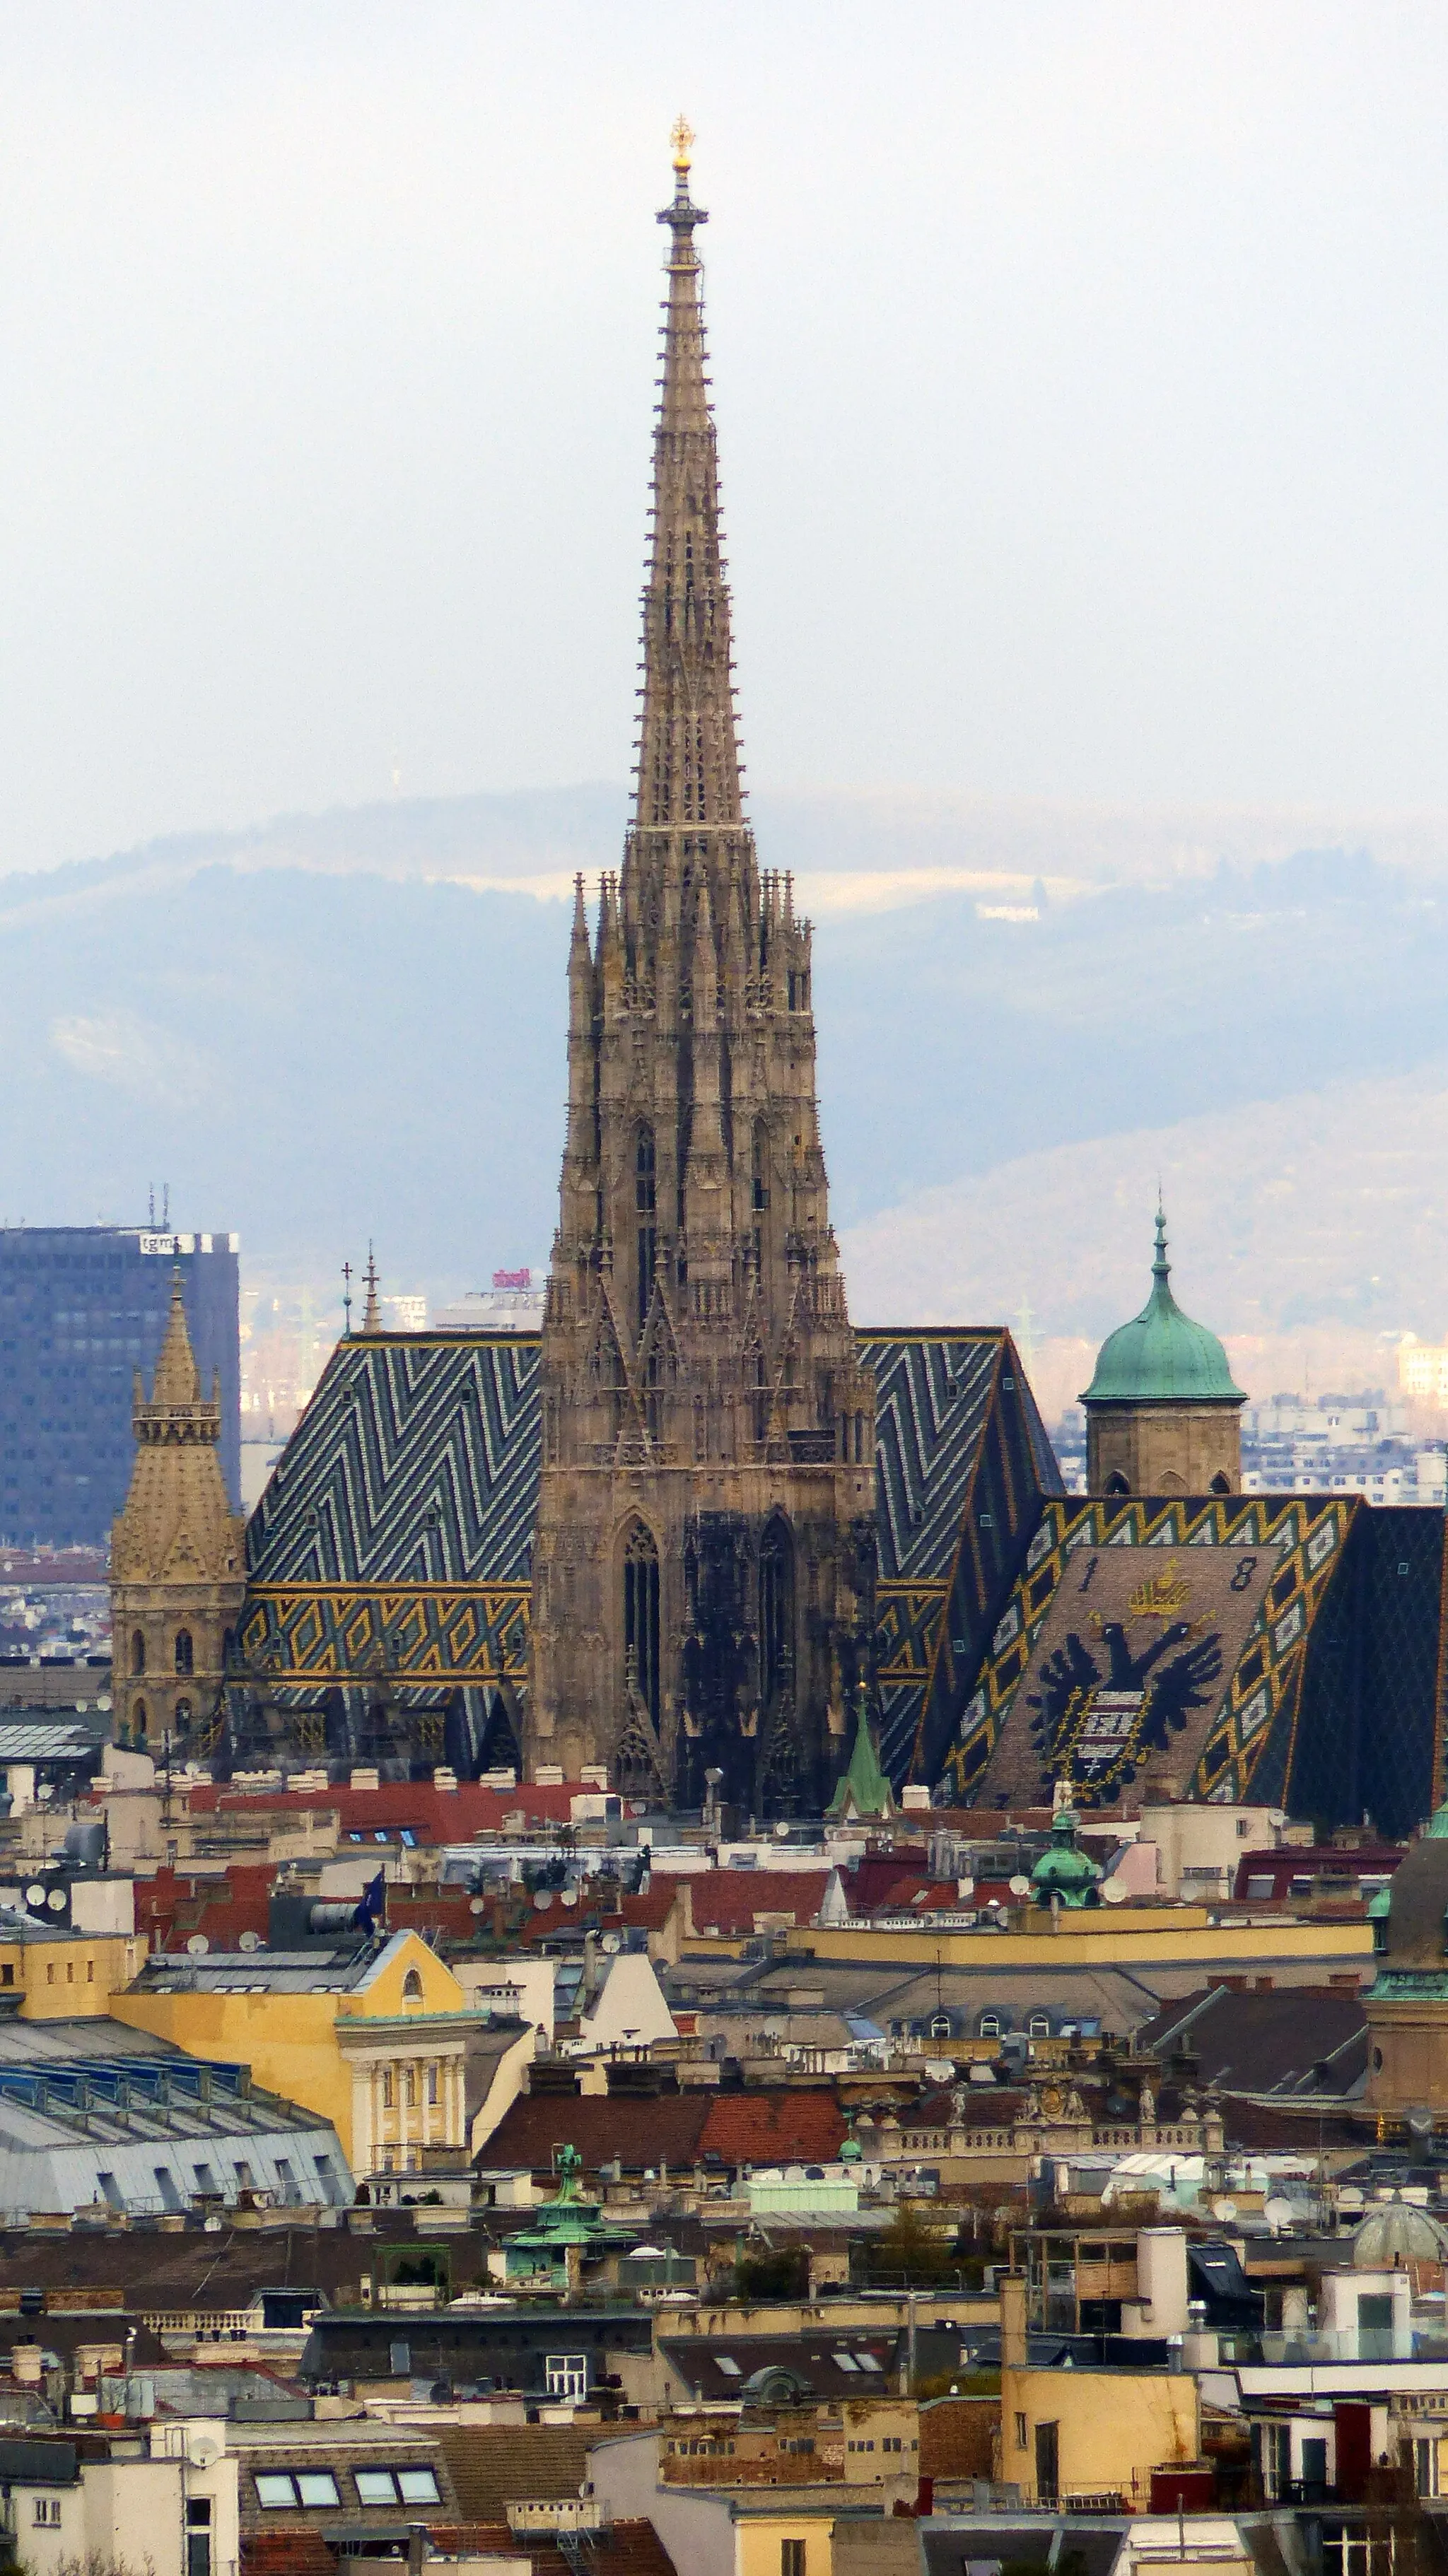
(964, 1464)
(396, 1530)
(415, 1462)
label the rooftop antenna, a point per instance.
(347, 1300)
(151, 1207)
(165, 1207)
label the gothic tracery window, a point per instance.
(776, 1611)
(641, 1616)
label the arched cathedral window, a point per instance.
(641, 1616)
(776, 1611)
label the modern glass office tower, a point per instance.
(81, 1309)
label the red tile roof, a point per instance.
(790, 2124)
(649, 1911)
(175, 1905)
(643, 2134)
(434, 1815)
(884, 1880)
(727, 1901)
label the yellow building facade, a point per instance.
(64, 1976)
(382, 2055)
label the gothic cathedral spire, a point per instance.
(703, 1570)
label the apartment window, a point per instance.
(1353, 2551)
(409, 2087)
(791, 2558)
(1020, 2432)
(432, 2086)
(47, 2509)
(279, 2489)
(399, 2360)
(412, 1987)
(386, 2088)
(198, 2536)
(1425, 2466)
(410, 2485)
(566, 2374)
(418, 2486)
(50, 1974)
(1276, 2454)
(7, 1975)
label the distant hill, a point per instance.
(329, 1029)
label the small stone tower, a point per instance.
(1407, 2003)
(1162, 1413)
(703, 1567)
(177, 1559)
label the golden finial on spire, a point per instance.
(682, 138)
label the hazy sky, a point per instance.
(1080, 373)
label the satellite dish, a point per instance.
(1112, 1892)
(1349, 2197)
(542, 1899)
(204, 2452)
(198, 1945)
(35, 1896)
(476, 1905)
(1278, 2214)
(1020, 1886)
(56, 1900)
(1224, 2209)
(248, 1941)
(964, 1888)
(569, 1896)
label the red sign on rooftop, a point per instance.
(512, 1278)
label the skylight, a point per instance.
(726, 2362)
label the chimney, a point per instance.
(1012, 2288)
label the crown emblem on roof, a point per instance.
(1162, 1595)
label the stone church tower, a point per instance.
(177, 1559)
(703, 1566)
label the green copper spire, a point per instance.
(864, 1792)
(1161, 1354)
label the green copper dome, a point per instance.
(1161, 1356)
(1062, 1870)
